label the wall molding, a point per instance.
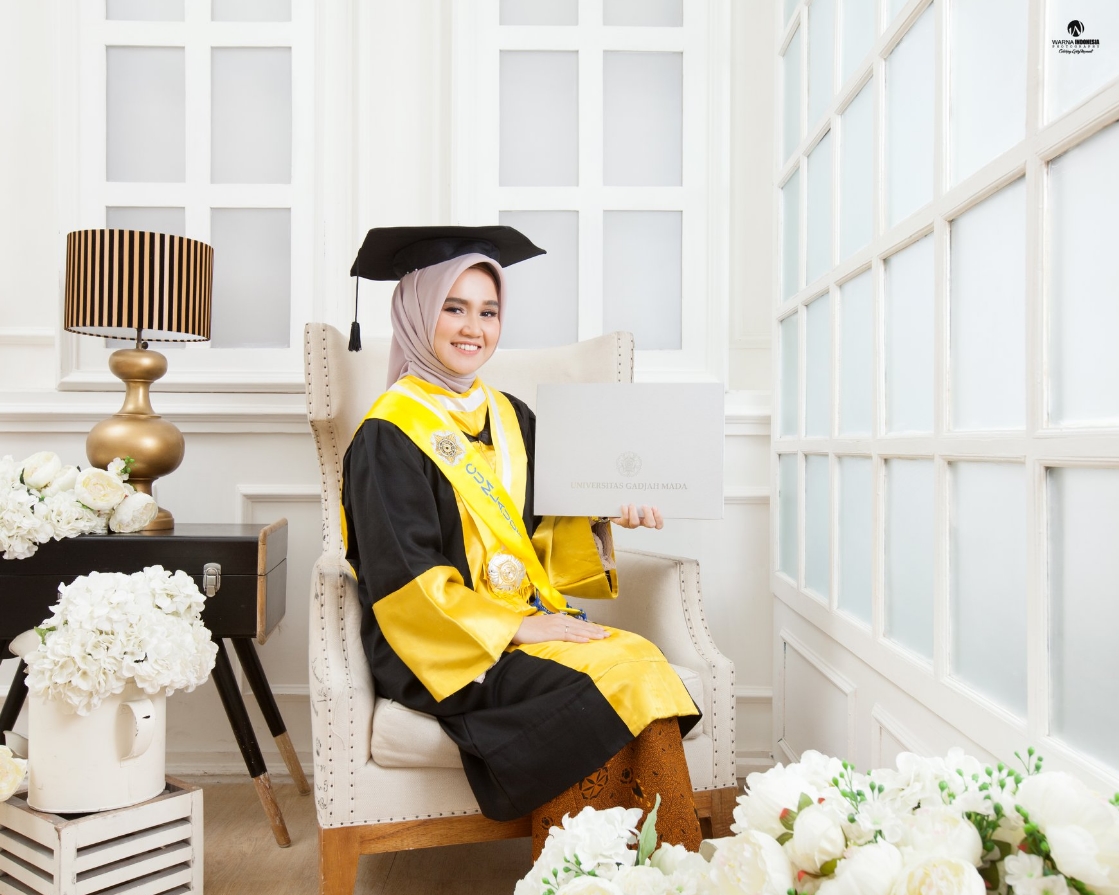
(753, 761)
(746, 495)
(884, 721)
(247, 495)
(840, 681)
(26, 336)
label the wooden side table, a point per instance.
(248, 576)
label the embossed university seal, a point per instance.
(629, 463)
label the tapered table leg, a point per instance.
(246, 740)
(254, 671)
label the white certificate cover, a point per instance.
(602, 445)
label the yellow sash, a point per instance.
(487, 500)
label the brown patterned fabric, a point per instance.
(650, 764)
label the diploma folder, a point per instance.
(602, 445)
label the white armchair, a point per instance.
(388, 778)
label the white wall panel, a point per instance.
(146, 114)
(539, 118)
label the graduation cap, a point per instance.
(388, 253)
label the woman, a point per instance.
(464, 589)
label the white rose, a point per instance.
(40, 468)
(644, 880)
(64, 481)
(99, 490)
(1081, 826)
(866, 870)
(588, 885)
(940, 876)
(817, 839)
(134, 512)
(750, 863)
(941, 832)
(12, 771)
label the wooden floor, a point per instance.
(242, 858)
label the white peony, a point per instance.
(644, 880)
(12, 772)
(866, 870)
(98, 489)
(769, 794)
(750, 863)
(38, 469)
(134, 512)
(941, 832)
(600, 840)
(588, 885)
(673, 859)
(63, 481)
(939, 876)
(817, 839)
(1025, 874)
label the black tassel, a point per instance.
(355, 336)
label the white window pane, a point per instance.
(642, 118)
(1084, 614)
(146, 114)
(909, 554)
(787, 511)
(250, 140)
(543, 307)
(855, 535)
(988, 313)
(252, 277)
(821, 57)
(985, 123)
(641, 276)
(790, 236)
(539, 12)
(893, 7)
(790, 67)
(251, 10)
(817, 362)
(858, 35)
(856, 339)
(144, 10)
(988, 580)
(789, 355)
(668, 13)
(856, 173)
(910, 117)
(790, 5)
(1073, 77)
(1084, 280)
(909, 338)
(539, 109)
(817, 524)
(819, 209)
(154, 220)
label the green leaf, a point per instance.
(43, 632)
(805, 802)
(828, 867)
(647, 841)
(783, 838)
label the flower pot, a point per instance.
(111, 758)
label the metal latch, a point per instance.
(211, 578)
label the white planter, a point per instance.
(111, 758)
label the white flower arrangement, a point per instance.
(109, 628)
(939, 826)
(40, 500)
(13, 773)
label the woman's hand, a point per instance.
(630, 519)
(542, 628)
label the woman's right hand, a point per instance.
(543, 627)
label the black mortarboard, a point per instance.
(388, 253)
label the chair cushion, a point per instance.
(405, 738)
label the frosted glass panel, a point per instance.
(856, 173)
(250, 138)
(856, 340)
(893, 7)
(909, 338)
(817, 363)
(146, 114)
(144, 10)
(858, 35)
(985, 123)
(1083, 281)
(539, 109)
(252, 277)
(641, 276)
(155, 220)
(790, 67)
(787, 510)
(987, 562)
(988, 313)
(819, 209)
(642, 118)
(790, 5)
(668, 13)
(251, 10)
(821, 57)
(1084, 614)
(543, 306)
(910, 116)
(855, 535)
(790, 236)
(1073, 77)
(539, 12)
(817, 524)
(789, 354)
(910, 521)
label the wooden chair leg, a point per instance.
(339, 850)
(723, 802)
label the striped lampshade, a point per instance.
(127, 284)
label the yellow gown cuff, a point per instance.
(567, 550)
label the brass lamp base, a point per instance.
(155, 445)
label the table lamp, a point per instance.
(130, 284)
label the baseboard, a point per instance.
(751, 762)
(230, 765)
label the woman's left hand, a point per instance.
(629, 518)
